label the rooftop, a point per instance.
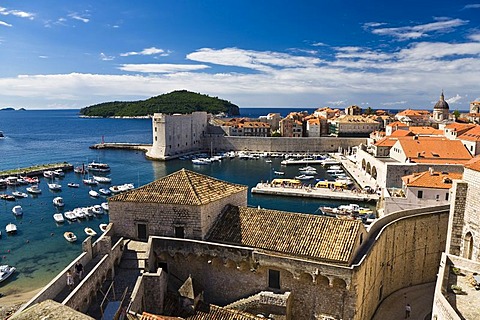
(434, 180)
(434, 150)
(473, 164)
(473, 134)
(183, 187)
(311, 236)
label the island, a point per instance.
(174, 102)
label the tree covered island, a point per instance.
(174, 102)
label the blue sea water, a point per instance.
(39, 250)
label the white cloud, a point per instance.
(79, 17)
(104, 57)
(472, 6)
(319, 44)
(3, 23)
(16, 13)
(161, 68)
(393, 103)
(337, 103)
(418, 31)
(454, 100)
(146, 52)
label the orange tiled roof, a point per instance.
(474, 164)
(460, 127)
(471, 135)
(386, 142)
(413, 113)
(310, 236)
(401, 133)
(434, 150)
(397, 123)
(434, 180)
(183, 187)
(314, 121)
(426, 131)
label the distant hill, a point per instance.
(174, 102)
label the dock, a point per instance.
(36, 170)
(311, 192)
(124, 146)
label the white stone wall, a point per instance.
(472, 214)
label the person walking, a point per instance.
(79, 270)
(408, 309)
(70, 282)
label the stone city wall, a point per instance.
(149, 293)
(456, 217)
(280, 144)
(472, 206)
(406, 252)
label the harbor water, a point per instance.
(39, 250)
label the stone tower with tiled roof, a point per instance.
(183, 204)
(441, 109)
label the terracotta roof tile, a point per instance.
(474, 164)
(426, 131)
(305, 235)
(434, 150)
(413, 113)
(183, 187)
(471, 135)
(212, 312)
(434, 180)
(460, 128)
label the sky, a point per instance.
(380, 54)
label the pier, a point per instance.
(311, 192)
(124, 146)
(36, 170)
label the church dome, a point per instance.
(441, 104)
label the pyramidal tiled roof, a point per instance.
(309, 236)
(183, 187)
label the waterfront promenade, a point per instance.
(312, 192)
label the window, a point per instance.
(142, 231)
(420, 194)
(273, 279)
(446, 196)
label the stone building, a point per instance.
(177, 134)
(353, 126)
(441, 110)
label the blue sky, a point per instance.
(383, 54)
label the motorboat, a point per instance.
(93, 193)
(6, 271)
(58, 173)
(314, 172)
(79, 213)
(90, 182)
(11, 228)
(3, 183)
(105, 206)
(31, 180)
(54, 186)
(73, 185)
(90, 232)
(279, 173)
(19, 194)
(58, 217)
(201, 161)
(48, 174)
(89, 212)
(34, 189)
(2, 135)
(103, 227)
(105, 192)
(70, 236)
(7, 197)
(70, 216)
(335, 167)
(12, 181)
(100, 179)
(17, 211)
(122, 188)
(97, 209)
(58, 202)
(268, 161)
(80, 170)
(98, 167)
(304, 177)
(307, 168)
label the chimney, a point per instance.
(430, 170)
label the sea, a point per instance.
(33, 137)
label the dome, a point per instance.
(441, 104)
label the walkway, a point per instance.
(361, 177)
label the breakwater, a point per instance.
(36, 170)
(124, 146)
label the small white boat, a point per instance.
(103, 227)
(18, 194)
(5, 272)
(48, 174)
(279, 173)
(105, 206)
(80, 170)
(201, 161)
(93, 193)
(17, 210)
(88, 211)
(34, 189)
(90, 232)
(58, 217)
(90, 182)
(97, 209)
(58, 173)
(70, 215)
(58, 202)
(11, 228)
(104, 192)
(98, 167)
(102, 179)
(304, 177)
(308, 172)
(70, 236)
(54, 186)
(79, 213)
(268, 161)
(73, 185)
(122, 188)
